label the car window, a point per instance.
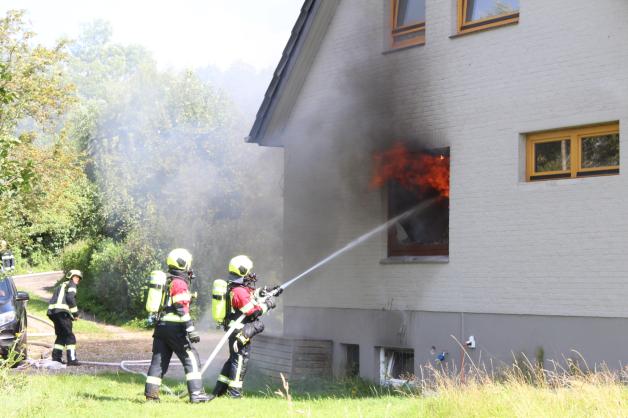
(5, 291)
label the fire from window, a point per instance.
(413, 179)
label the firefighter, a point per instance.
(175, 331)
(7, 265)
(62, 311)
(243, 299)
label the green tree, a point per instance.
(171, 168)
(46, 199)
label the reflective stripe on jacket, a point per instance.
(243, 301)
(64, 299)
(177, 303)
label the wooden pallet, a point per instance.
(295, 358)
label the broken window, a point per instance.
(396, 366)
(425, 231)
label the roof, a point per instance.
(301, 48)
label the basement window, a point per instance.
(396, 366)
(475, 15)
(352, 360)
(407, 23)
(576, 152)
(424, 232)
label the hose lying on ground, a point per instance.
(123, 364)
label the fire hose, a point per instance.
(124, 363)
(322, 262)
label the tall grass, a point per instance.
(569, 387)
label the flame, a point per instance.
(422, 170)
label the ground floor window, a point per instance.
(352, 360)
(417, 184)
(574, 152)
(396, 366)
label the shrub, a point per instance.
(77, 256)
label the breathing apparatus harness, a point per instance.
(221, 299)
(157, 295)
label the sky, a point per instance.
(181, 34)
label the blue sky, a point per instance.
(181, 34)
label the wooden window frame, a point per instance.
(404, 30)
(395, 249)
(465, 26)
(574, 135)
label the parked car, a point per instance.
(13, 320)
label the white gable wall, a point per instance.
(555, 248)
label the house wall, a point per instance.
(545, 249)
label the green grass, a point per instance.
(38, 307)
(121, 395)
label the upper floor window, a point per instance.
(474, 15)
(407, 23)
(576, 152)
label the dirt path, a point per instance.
(102, 342)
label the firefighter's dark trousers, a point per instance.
(66, 340)
(232, 374)
(169, 338)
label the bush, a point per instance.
(114, 275)
(77, 256)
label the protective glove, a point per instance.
(239, 342)
(270, 303)
(75, 316)
(194, 337)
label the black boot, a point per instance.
(57, 355)
(152, 393)
(220, 389)
(198, 397)
(234, 393)
(72, 361)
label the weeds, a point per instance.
(10, 381)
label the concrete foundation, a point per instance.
(499, 337)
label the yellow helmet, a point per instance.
(179, 259)
(240, 265)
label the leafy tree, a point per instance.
(167, 155)
(47, 200)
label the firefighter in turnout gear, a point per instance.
(62, 310)
(175, 331)
(242, 298)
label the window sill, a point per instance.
(464, 32)
(416, 259)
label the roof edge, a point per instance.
(282, 72)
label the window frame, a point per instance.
(490, 22)
(395, 31)
(393, 247)
(575, 136)
(387, 363)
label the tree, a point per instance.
(167, 155)
(44, 194)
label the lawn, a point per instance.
(38, 307)
(120, 395)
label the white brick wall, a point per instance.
(557, 247)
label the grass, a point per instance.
(524, 390)
(38, 307)
(118, 395)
